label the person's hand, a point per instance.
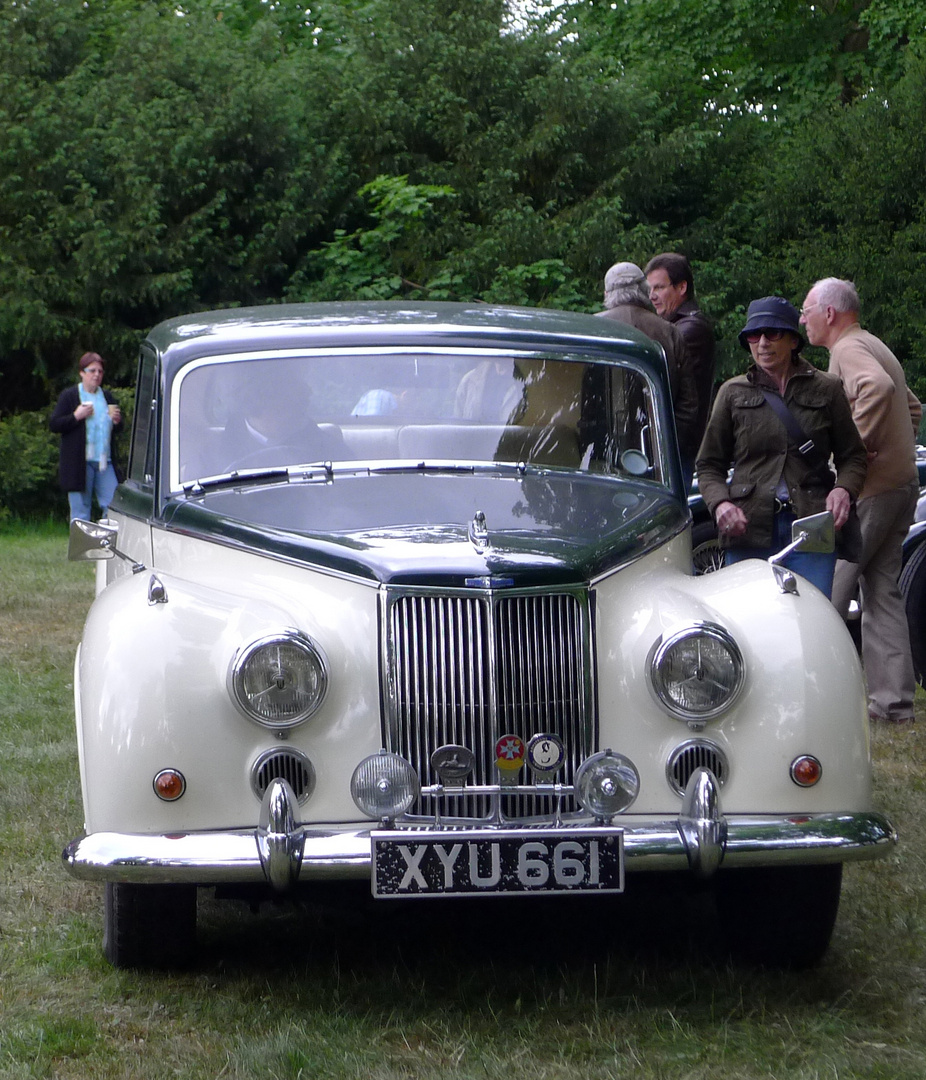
(731, 521)
(115, 413)
(839, 502)
(83, 410)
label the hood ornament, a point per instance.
(478, 531)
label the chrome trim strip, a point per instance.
(650, 844)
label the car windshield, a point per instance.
(475, 407)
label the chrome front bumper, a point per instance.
(281, 853)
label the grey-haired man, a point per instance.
(887, 415)
(627, 299)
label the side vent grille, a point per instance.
(692, 755)
(290, 765)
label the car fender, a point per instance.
(152, 687)
(802, 691)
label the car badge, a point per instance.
(509, 757)
(545, 754)
(453, 764)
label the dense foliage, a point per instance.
(158, 158)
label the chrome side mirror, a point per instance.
(815, 534)
(90, 541)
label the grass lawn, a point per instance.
(616, 990)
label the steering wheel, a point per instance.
(282, 456)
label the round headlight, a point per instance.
(697, 672)
(384, 786)
(606, 784)
(279, 680)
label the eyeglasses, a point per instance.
(770, 335)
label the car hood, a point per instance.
(417, 527)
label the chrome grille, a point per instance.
(470, 667)
(290, 765)
(691, 755)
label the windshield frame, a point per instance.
(662, 471)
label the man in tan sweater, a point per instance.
(887, 415)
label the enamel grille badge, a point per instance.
(545, 754)
(509, 756)
(453, 764)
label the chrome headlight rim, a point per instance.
(661, 650)
(289, 638)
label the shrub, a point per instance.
(28, 467)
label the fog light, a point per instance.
(169, 785)
(384, 786)
(607, 784)
(806, 770)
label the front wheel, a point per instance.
(779, 917)
(149, 926)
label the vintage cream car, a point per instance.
(403, 594)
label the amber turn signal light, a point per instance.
(169, 785)
(806, 770)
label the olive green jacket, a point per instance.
(744, 432)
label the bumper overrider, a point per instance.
(282, 853)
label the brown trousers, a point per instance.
(885, 520)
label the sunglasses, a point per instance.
(770, 335)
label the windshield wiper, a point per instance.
(319, 470)
(250, 476)
(518, 468)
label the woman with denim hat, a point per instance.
(783, 427)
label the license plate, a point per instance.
(492, 862)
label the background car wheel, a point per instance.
(152, 926)
(913, 589)
(781, 917)
(706, 552)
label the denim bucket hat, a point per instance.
(772, 313)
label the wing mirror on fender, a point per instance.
(89, 541)
(815, 534)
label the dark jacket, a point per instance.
(72, 459)
(698, 334)
(745, 432)
(684, 394)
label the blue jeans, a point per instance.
(100, 482)
(817, 569)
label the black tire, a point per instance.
(913, 588)
(149, 926)
(706, 552)
(779, 917)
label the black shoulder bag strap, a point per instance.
(849, 537)
(806, 446)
